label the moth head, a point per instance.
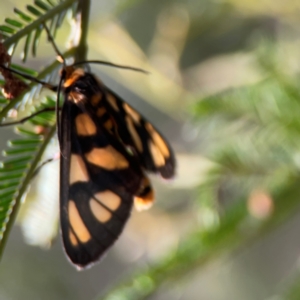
(70, 75)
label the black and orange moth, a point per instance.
(106, 149)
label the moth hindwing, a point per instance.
(106, 147)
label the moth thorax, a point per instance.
(76, 97)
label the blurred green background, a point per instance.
(224, 89)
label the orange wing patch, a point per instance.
(109, 199)
(108, 158)
(77, 224)
(112, 101)
(73, 238)
(78, 171)
(157, 156)
(101, 213)
(100, 112)
(96, 99)
(159, 142)
(85, 125)
(136, 138)
(109, 125)
(130, 111)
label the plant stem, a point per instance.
(81, 26)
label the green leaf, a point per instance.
(15, 161)
(17, 151)
(36, 40)
(10, 176)
(33, 10)
(24, 166)
(22, 15)
(42, 5)
(3, 101)
(6, 29)
(27, 141)
(60, 19)
(14, 23)
(51, 2)
(25, 132)
(6, 184)
(26, 47)
(24, 70)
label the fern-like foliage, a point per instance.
(255, 139)
(24, 154)
(29, 24)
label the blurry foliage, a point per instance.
(254, 183)
(250, 132)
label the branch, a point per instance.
(80, 30)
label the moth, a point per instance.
(106, 149)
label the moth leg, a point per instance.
(21, 121)
(33, 79)
(49, 160)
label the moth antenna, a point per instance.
(59, 57)
(33, 79)
(106, 63)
